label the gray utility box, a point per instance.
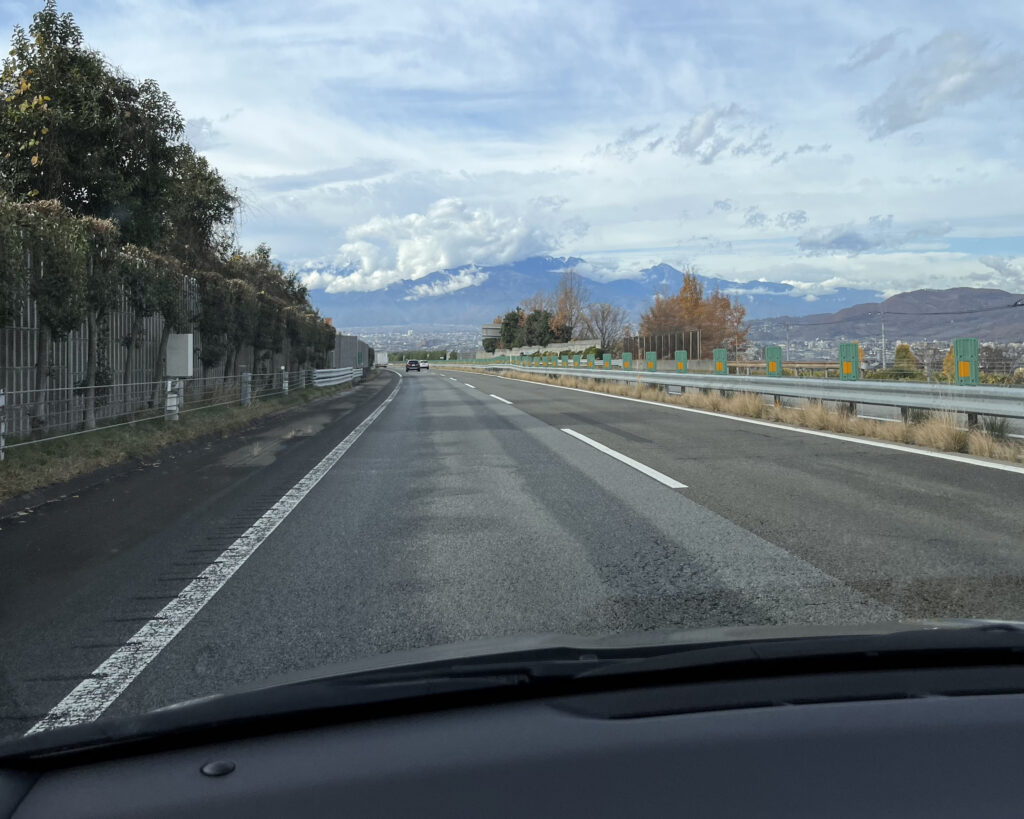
(179, 355)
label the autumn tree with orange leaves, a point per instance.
(720, 319)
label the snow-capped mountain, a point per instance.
(475, 295)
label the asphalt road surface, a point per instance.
(444, 506)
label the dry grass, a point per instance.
(50, 462)
(938, 431)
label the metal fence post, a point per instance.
(246, 389)
(284, 383)
(3, 422)
(171, 404)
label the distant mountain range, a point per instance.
(502, 287)
(920, 315)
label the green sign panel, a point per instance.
(773, 361)
(849, 361)
(651, 359)
(721, 361)
(607, 360)
(590, 360)
(965, 354)
(627, 361)
(576, 361)
(681, 360)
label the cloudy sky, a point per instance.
(872, 145)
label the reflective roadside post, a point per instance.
(721, 359)
(171, 406)
(849, 361)
(681, 361)
(284, 380)
(246, 389)
(965, 354)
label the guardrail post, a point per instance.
(171, 404)
(246, 389)
(3, 422)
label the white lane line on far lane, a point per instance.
(503, 401)
(671, 483)
(91, 697)
(452, 379)
(469, 385)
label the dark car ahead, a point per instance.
(412, 364)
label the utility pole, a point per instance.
(787, 344)
(883, 339)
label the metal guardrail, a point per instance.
(332, 378)
(1003, 402)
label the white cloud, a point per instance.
(878, 234)
(1003, 273)
(450, 234)
(874, 50)
(470, 277)
(950, 70)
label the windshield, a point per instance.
(331, 332)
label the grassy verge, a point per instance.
(938, 431)
(48, 462)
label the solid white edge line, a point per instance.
(671, 483)
(503, 400)
(91, 697)
(928, 453)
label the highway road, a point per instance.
(444, 506)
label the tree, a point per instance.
(571, 299)
(538, 328)
(949, 363)
(720, 319)
(453, 355)
(490, 345)
(606, 322)
(513, 330)
(904, 360)
(81, 133)
(540, 300)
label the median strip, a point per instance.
(671, 483)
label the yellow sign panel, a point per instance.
(772, 366)
(679, 365)
(650, 365)
(965, 369)
(847, 367)
(718, 366)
